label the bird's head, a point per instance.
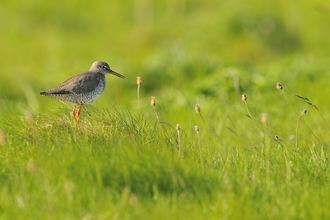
(103, 67)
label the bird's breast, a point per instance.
(88, 98)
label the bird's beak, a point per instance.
(116, 74)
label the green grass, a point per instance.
(118, 163)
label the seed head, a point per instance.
(244, 97)
(292, 137)
(196, 128)
(153, 101)
(197, 108)
(264, 118)
(304, 112)
(279, 86)
(138, 80)
(178, 127)
(276, 137)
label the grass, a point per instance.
(116, 164)
(123, 162)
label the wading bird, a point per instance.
(82, 89)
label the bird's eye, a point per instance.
(103, 67)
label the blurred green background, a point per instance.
(200, 48)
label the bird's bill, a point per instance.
(116, 74)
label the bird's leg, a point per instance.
(78, 113)
(74, 112)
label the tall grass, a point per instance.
(115, 164)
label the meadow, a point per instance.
(259, 158)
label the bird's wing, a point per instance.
(82, 83)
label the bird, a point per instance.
(82, 89)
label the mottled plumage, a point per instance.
(84, 88)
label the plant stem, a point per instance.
(160, 126)
(200, 148)
(298, 115)
(297, 132)
(207, 140)
(179, 139)
(138, 96)
(247, 109)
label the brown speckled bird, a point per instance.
(84, 88)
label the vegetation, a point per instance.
(258, 158)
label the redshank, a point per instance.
(84, 88)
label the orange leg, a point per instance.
(74, 112)
(78, 113)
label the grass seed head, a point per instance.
(153, 101)
(276, 137)
(196, 128)
(292, 137)
(264, 118)
(279, 86)
(244, 97)
(304, 112)
(178, 127)
(197, 108)
(138, 80)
